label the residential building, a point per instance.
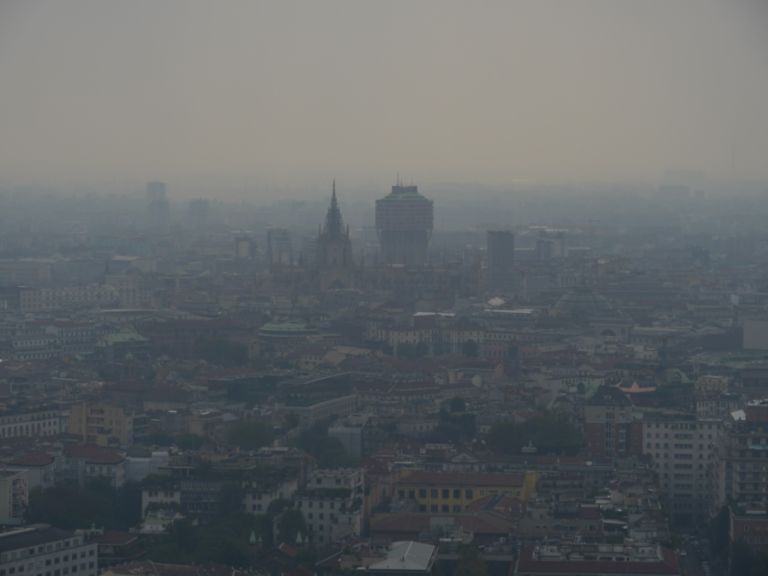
(31, 424)
(101, 424)
(39, 468)
(86, 462)
(332, 504)
(40, 550)
(743, 457)
(684, 450)
(576, 559)
(453, 492)
(611, 426)
(14, 496)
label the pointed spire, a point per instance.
(333, 222)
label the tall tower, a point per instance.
(158, 210)
(404, 220)
(500, 245)
(334, 248)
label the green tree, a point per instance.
(470, 563)
(189, 441)
(328, 452)
(290, 523)
(250, 434)
(549, 433)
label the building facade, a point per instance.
(40, 550)
(404, 221)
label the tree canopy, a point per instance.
(549, 433)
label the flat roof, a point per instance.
(31, 536)
(408, 556)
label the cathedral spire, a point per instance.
(334, 226)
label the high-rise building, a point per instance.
(198, 211)
(279, 247)
(683, 451)
(404, 220)
(158, 209)
(500, 245)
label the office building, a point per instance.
(198, 214)
(158, 209)
(500, 246)
(404, 220)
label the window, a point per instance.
(446, 493)
(469, 494)
(444, 508)
(433, 492)
(422, 492)
(456, 493)
(433, 508)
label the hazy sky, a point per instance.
(227, 93)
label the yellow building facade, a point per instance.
(101, 424)
(451, 492)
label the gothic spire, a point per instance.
(333, 222)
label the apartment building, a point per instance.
(332, 504)
(743, 457)
(14, 496)
(453, 492)
(31, 424)
(684, 450)
(101, 424)
(40, 550)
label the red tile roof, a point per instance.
(33, 459)
(93, 454)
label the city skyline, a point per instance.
(246, 98)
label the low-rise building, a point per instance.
(31, 423)
(86, 462)
(453, 492)
(40, 550)
(573, 558)
(101, 423)
(14, 496)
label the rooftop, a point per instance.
(420, 477)
(31, 536)
(406, 556)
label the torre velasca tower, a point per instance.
(404, 221)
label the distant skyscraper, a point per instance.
(500, 261)
(279, 247)
(404, 220)
(158, 210)
(198, 211)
